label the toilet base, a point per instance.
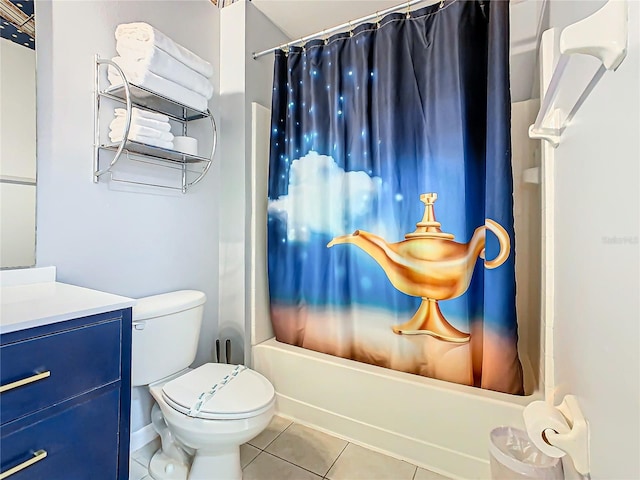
(163, 467)
(223, 464)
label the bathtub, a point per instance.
(437, 425)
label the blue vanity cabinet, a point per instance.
(65, 399)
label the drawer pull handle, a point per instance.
(37, 456)
(24, 381)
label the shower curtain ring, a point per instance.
(350, 29)
(377, 19)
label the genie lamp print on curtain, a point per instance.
(431, 265)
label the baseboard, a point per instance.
(142, 436)
(432, 457)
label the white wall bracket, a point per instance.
(602, 35)
(551, 132)
(576, 442)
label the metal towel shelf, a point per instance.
(132, 95)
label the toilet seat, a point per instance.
(246, 395)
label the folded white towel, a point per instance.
(156, 142)
(146, 36)
(137, 113)
(139, 130)
(163, 65)
(159, 85)
(120, 121)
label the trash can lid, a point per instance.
(514, 449)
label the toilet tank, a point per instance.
(165, 334)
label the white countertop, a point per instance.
(37, 304)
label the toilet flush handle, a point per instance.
(139, 325)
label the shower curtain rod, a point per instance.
(349, 25)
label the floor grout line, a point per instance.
(291, 463)
(274, 439)
(253, 459)
(278, 436)
(263, 450)
(334, 462)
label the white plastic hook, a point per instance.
(408, 9)
(576, 442)
(602, 35)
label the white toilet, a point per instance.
(204, 414)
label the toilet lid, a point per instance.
(240, 392)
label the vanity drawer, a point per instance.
(77, 361)
(79, 442)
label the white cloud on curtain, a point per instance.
(324, 198)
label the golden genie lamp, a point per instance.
(429, 264)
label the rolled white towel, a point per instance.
(141, 113)
(163, 65)
(156, 142)
(147, 36)
(120, 121)
(138, 130)
(159, 85)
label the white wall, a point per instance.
(233, 190)
(243, 80)
(524, 17)
(17, 154)
(527, 218)
(17, 110)
(128, 243)
(597, 334)
(18, 231)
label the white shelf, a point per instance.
(602, 35)
(141, 97)
(158, 153)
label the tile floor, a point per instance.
(290, 451)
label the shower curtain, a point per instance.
(390, 218)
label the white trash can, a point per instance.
(515, 457)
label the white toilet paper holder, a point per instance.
(576, 442)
